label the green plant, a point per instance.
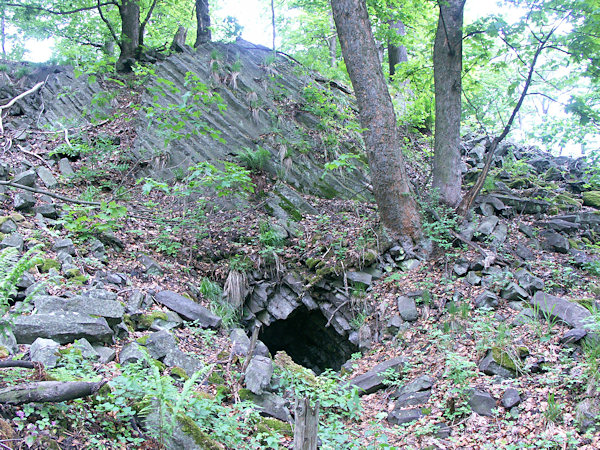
(91, 221)
(459, 371)
(270, 236)
(231, 180)
(255, 160)
(553, 412)
(440, 221)
(343, 161)
(12, 268)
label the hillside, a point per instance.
(169, 223)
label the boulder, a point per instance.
(407, 308)
(188, 309)
(160, 343)
(110, 309)
(494, 363)
(64, 246)
(26, 178)
(402, 416)
(62, 327)
(258, 374)
(422, 383)
(558, 308)
(487, 225)
(412, 399)
(86, 349)
(151, 267)
(270, 405)
(131, 353)
(511, 398)
(481, 402)
(65, 168)
(7, 225)
(44, 351)
(14, 240)
(487, 299)
(529, 282)
(374, 379)
(46, 177)
(177, 358)
(8, 342)
(513, 292)
(554, 242)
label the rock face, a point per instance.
(247, 121)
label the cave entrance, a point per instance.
(306, 339)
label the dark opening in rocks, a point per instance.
(304, 337)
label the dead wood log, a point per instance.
(306, 425)
(48, 391)
(18, 363)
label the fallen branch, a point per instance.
(48, 391)
(15, 100)
(17, 363)
(49, 194)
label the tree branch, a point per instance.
(48, 193)
(60, 13)
(108, 24)
(16, 99)
(145, 22)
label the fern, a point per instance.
(12, 268)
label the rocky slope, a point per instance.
(482, 345)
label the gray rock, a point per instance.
(64, 246)
(151, 267)
(8, 226)
(481, 402)
(393, 324)
(513, 292)
(527, 230)
(360, 277)
(99, 294)
(554, 242)
(473, 279)
(46, 177)
(461, 267)
(160, 343)
(525, 316)
(61, 327)
(489, 366)
(487, 299)
(131, 353)
(499, 234)
(110, 309)
(188, 309)
(47, 210)
(422, 383)
(65, 168)
(26, 178)
(402, 416)
(524, 252)
(8, 340)
(282, 303)
(487, 225)
(87, 351)
(44, 351)
(558, 308)
(373, 380)
(272, 405)
(523, 205)
(24, 201)
(407, 308)
(177, 358)
(241, 344)
(412, 399)
(258, 374)
(529, 282)
(573, 336)
(560, 225)
(511, 398)
(105, 354)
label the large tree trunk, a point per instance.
(397, 207)
(396, 53)
(447, 68)
(129, 11)
(203, 20)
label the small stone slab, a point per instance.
(490, 366)
(23, 201)
(402, 416)
(511, 398)
(177, 358)
(373, 380)
(188, 309)
(111, 309)
(46, 177)
(360, 277)
(486, 299)
(131, 353)
(412, 399)
(558, 308)
(26, 178)
(407, 308)
(44, 351)
(422, 383)
(65, 168)
(62, 328)
(160, 343)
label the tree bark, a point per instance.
(129, 10)
(48, 391)
(306, 425)
(396, 53)
(332, 44)
(203, 34)
(397, 207)
(447, 68)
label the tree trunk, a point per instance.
(396, 53)
(447, 68)
(397, 207)
(332, 44)
(129, 11)
(203, 20)
(306, 425)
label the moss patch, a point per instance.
(145, 322)
(504, 359)
(203, 440)
(270, 424)
(591, 198)
(48, 264)
(178, 372)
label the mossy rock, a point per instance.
(223, 391)
(79, 280)
(216, 378)
(178, 372)
(270, 424)
(594, 289)
(4, 219)
(574, 243)
(4, 352)
(142, 340)
(202, 439)
(48, 264)
(311, 262)
(567, 200)
(159, 365)
(504, 359)
(16, 217)
(591, 198)
(520, 183)
(145, 321)
(72, 273)
(246, 395)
